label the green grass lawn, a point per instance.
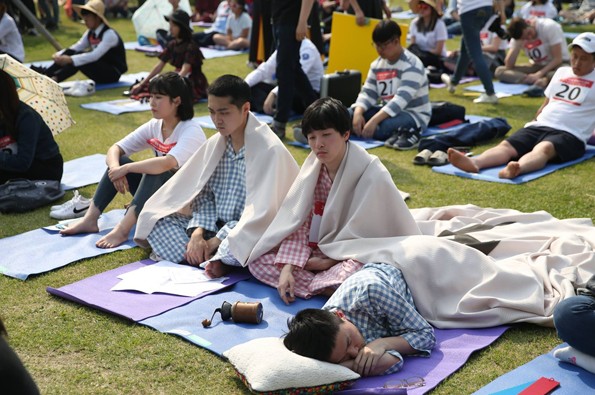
(71, 349)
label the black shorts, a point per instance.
(567, 146)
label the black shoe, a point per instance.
(407, 140)
(279, 129)
(534, 91)
(39, 69)
(391, 141)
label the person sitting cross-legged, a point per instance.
(393, 104)
(563, 125)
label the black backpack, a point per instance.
(444, 111)
(20, 195)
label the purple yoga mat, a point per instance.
(453, 348)
(137, 306)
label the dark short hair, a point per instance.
(313, 333)
(173, 85)
(385, 30)
(231, 86)
(516, 27)
(326, 113)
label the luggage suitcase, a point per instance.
(342, 85)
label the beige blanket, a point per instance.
(363, 203)
(538, 262)
(270, 171)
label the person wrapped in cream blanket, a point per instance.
(340, 192)
(229, 192)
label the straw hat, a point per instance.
(95, 6)
(414, 5)
(181, 18)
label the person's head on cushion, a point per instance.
(326, 125)
(367, 325)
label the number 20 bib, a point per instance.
(572, 90)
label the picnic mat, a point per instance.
(362, 142)
(208, 52)
(95, 292)
(491, 174)
(119, 106)
(206, 122)
(51, 250)
(448, 127)
(453, 348)
(573, 380)
(502, 89)
(83, 171)
(126, 80)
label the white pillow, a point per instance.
(267, 365)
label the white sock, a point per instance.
(576, 357)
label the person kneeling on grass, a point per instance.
(563, 125)
(172, 135)
(367, 325)
(393, 104)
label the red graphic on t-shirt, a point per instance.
(577, 81)
(537, 13)
(6, 141)
(386, 75)
(533, 44)
(160, 147)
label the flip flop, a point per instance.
(438, 158)
(422, 157)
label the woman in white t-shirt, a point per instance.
(237, 29)
(427, 33)
(172, 135)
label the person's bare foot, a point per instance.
(82, 226)
(461, 161)
(113, 239)
(512, 170)
(216, 269)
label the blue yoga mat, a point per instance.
(362, 142)
(502, 89)
(573, 380)
(434, 130)
(83, 171)
(491, 174)
(95, 291)
(126, 80)
(453, 349)
(52, 250)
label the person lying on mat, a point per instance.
(182, 53)
(393, 104)
(544, 44)
(367, 325)
(220, 203)
(27, 147)
(335, 191)
(562, 126)
(99, 54)
(172, 135)
(574, 319)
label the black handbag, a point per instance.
(20, 195)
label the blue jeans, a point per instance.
(471, 23)
(574, 319)
(141, 186)
(390, 126)
(291, 79)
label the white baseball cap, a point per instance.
(586, 41)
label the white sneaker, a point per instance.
(485, 98)
(81, 89)
(448, 81)
(74, 208)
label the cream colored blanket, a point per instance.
(270, 171)
(538, 262)
(363, 203)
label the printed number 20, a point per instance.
(569, 93)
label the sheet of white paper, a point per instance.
(168, 277)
